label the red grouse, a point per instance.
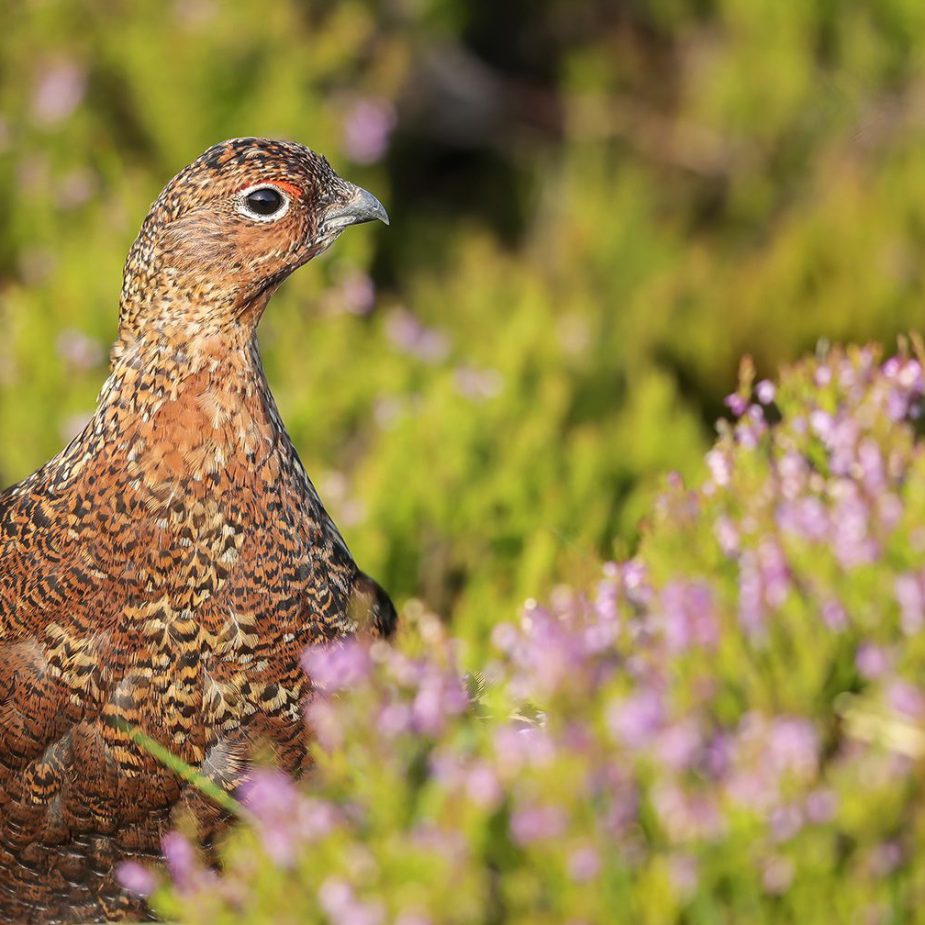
(166, 570)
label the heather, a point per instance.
(710, 708)
(724, 727)
(597, 208)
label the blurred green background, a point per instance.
(597, 207)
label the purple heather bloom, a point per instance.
(720, 466)
(906, 699)
(820, 806)
(765, 391)
(777, 875)
(850, 519)
(357, 293)
(537, 823)
(752, 609)
(438, 698)
(872, 661)
(911, 598)
(833, 615)
(182, 864)
(736, 403)
(635, 720)
(333, 666)
(793, 746)
(325, 723)
(678, 745)
(688, 616)
(584, 864)
(478, 384)
(58, 92)
(683, 873)
(408, 334)
(518, 746)
(367, 128)
(136, 878)
(774, 571)
(482, 786)
(727, 535)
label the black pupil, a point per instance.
(264, 201)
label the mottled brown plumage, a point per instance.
(167, 569)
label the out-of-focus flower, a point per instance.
(136, 878)
(333, 666)
(584, 864)
(635, 720)
(58, 91)
(478, 384)
(367, 128)
(181, 860)
(80, 352)
(407, 333)
(537, 823)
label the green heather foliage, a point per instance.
(726, 728)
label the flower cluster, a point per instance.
(726, 726)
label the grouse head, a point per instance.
(227, 230)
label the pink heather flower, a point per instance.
(872, 661)
(334, 666)
(688, 616)
(58, 92)
(477, 384)
(284, 817)
(682, 871)
(765, 391)
(136, 878)
(736, 403)
(720, 467)
(439, 698)
(537, 823)
(872, 468)
(685, 816)
(852, 542)
(357, 293)
(584, 864)
(786, 821)
(483, 787)
(408, 334)
(777, 875)
(182, 864)
(807, 518)
(822, 423)
(326, 725)
(820, 806)
(678, 745)
(367, 128)
(635, 720)
(394, 719)
(909, 593)
(793, 746)
(752, 609)
(774, 571)
(519, 746)
(337, 898)
(833, 615)
(727, 535)
(906, 699)
(413, 918)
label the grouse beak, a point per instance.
(357, 207)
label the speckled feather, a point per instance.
(170, 565)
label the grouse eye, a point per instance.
(264, 203)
